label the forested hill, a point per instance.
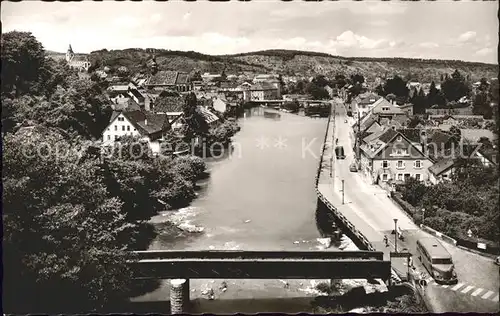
(291, 62)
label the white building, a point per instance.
(148, 126)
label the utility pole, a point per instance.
(358, 138)
(342, 192)
(332, 112)
(395, 235)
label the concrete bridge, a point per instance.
(180, 266)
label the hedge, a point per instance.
(433, 222)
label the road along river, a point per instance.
(261, 197)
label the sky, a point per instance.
(432, 30)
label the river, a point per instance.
(261, 197)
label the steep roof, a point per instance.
(366, 122)
(413, 134)
(168, 78)
(381, 103)
(207, 115)
(388, 135)
(439, 137)
(168, 104)
(127, 105)
(379, 140)
(136, 93)
(263, 86)
(441, 166)
(368, 98)
(145, 123)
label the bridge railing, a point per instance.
(329, 205)
(259, 255)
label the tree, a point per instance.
(62, 231)
(413, 191)
(483, 85)
(481, 105)
(455, 131)
(195, 123)
(418, 101)
(434, 96)
(292, 106)
(380, 90)
(485, 142)
(455, 87)
(396, 86)
(196, 76)
(320, 81)
(22, 60)
(340, 81)
(357, 78)
(317, 92)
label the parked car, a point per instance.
(353, 167)
(339, 152)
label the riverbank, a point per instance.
(261, 198)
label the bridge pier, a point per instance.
(179, 296)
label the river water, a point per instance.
(260, 197)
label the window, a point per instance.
(417, 176)
(116, 137)
(123, 128)
(116, 127)
(407, 176)
(442, 261)
(400, 176)
(128, 128)
(385, 164)
(384, 177)
(418, 164)
(400, 164)
(121, 119)
(109, 137)
(399, 138)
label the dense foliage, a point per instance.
(71, 210)
(64, 234)
(469, 201)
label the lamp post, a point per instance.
(423, 216)
(395, 235)
(342, 192)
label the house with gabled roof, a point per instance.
(363, 103)
(168, 79)
(390, 155)
(383, 107)
(263, 91)
(171, 106)
(148, 126)
(207, 114)
(444, 168)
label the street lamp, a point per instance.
(395, 235)
(342, 192)
(423, 216)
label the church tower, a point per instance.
(69, 54)
(154, 65)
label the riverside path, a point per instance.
(369, 209)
